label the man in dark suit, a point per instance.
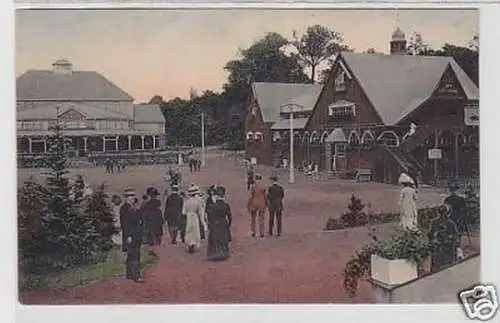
(275, 195)
(131, 223)
(173, 213)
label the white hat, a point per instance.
(193, 189)
(405, 179)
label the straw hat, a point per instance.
(193, 189)
(129, 192)
(405, 179)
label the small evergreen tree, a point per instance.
(30, 208)
(98, 208)
(69, 235)
(355, 216)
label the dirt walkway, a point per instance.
(303, 266)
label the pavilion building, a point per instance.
(96, 115)
(377, 112)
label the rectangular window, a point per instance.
(340, 84)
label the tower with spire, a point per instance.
(398, 41)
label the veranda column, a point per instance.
(85, 144)
(154, 142)
(116, 143)
(436, 144)
(457, 162)
(142, 142)
(45, 145)
(103, 144)
(129, 142)
(29, 145)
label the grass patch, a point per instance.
(114, 266)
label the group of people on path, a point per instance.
(262, 198)
(446, 228)
(186, 214)
(113, 165)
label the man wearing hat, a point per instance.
(151, 211)
(458, 208)
(173, 213)
(131, 224)
(257, 204)
(275, 195)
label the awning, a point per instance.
(337, 135)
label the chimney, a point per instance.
(62, 66)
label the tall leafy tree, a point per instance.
(418, 46)
(316, 46)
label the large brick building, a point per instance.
(97, 115)
(361, 117)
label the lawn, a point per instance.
(114, 266)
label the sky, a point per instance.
(168, 52)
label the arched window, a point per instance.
(445, 139)
(368, 138)
(276, 136)
(297, 136)
(353, 138)
(388, 138)
(257, 136)
(249, 135)
(324, 136)
(305, 137)
(314, 139)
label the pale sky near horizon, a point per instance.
(167, 52)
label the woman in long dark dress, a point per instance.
(219, 222)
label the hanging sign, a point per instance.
(471, 115)
(434, 153)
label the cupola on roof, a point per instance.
(398, 35)
(62, 62)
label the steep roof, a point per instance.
(271, 96)
(50, 112)
(284, 124)
(76, 86)
(398, 84)
(148, 113)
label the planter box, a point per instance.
(392, 272)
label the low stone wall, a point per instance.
(442, 286)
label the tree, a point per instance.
(68, 236)
(417, 45)
(317, 45)
(99, 209)
(157, 99)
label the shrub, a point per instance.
(355, 216)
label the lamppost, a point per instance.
(202, 139)
(291, 109)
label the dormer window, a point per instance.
(342, 110)
(340, 84)
(353, 139)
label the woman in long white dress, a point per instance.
(407, 203)
(194, 212)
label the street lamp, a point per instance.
(202, 139)
(291, 109)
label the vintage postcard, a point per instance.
(172, 156)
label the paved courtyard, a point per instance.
(302, 266)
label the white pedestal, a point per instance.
(392, 272)
(180, 161)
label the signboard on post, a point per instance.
(471, 115)
(434, 153)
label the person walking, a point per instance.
(153, 217)
(275, 195)
(173, 213)
(458, 209)
(407, 203)
(257, 205)
(194, 211)
(444, 236)
(219, 223)
(250, 177)
(131, 224)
